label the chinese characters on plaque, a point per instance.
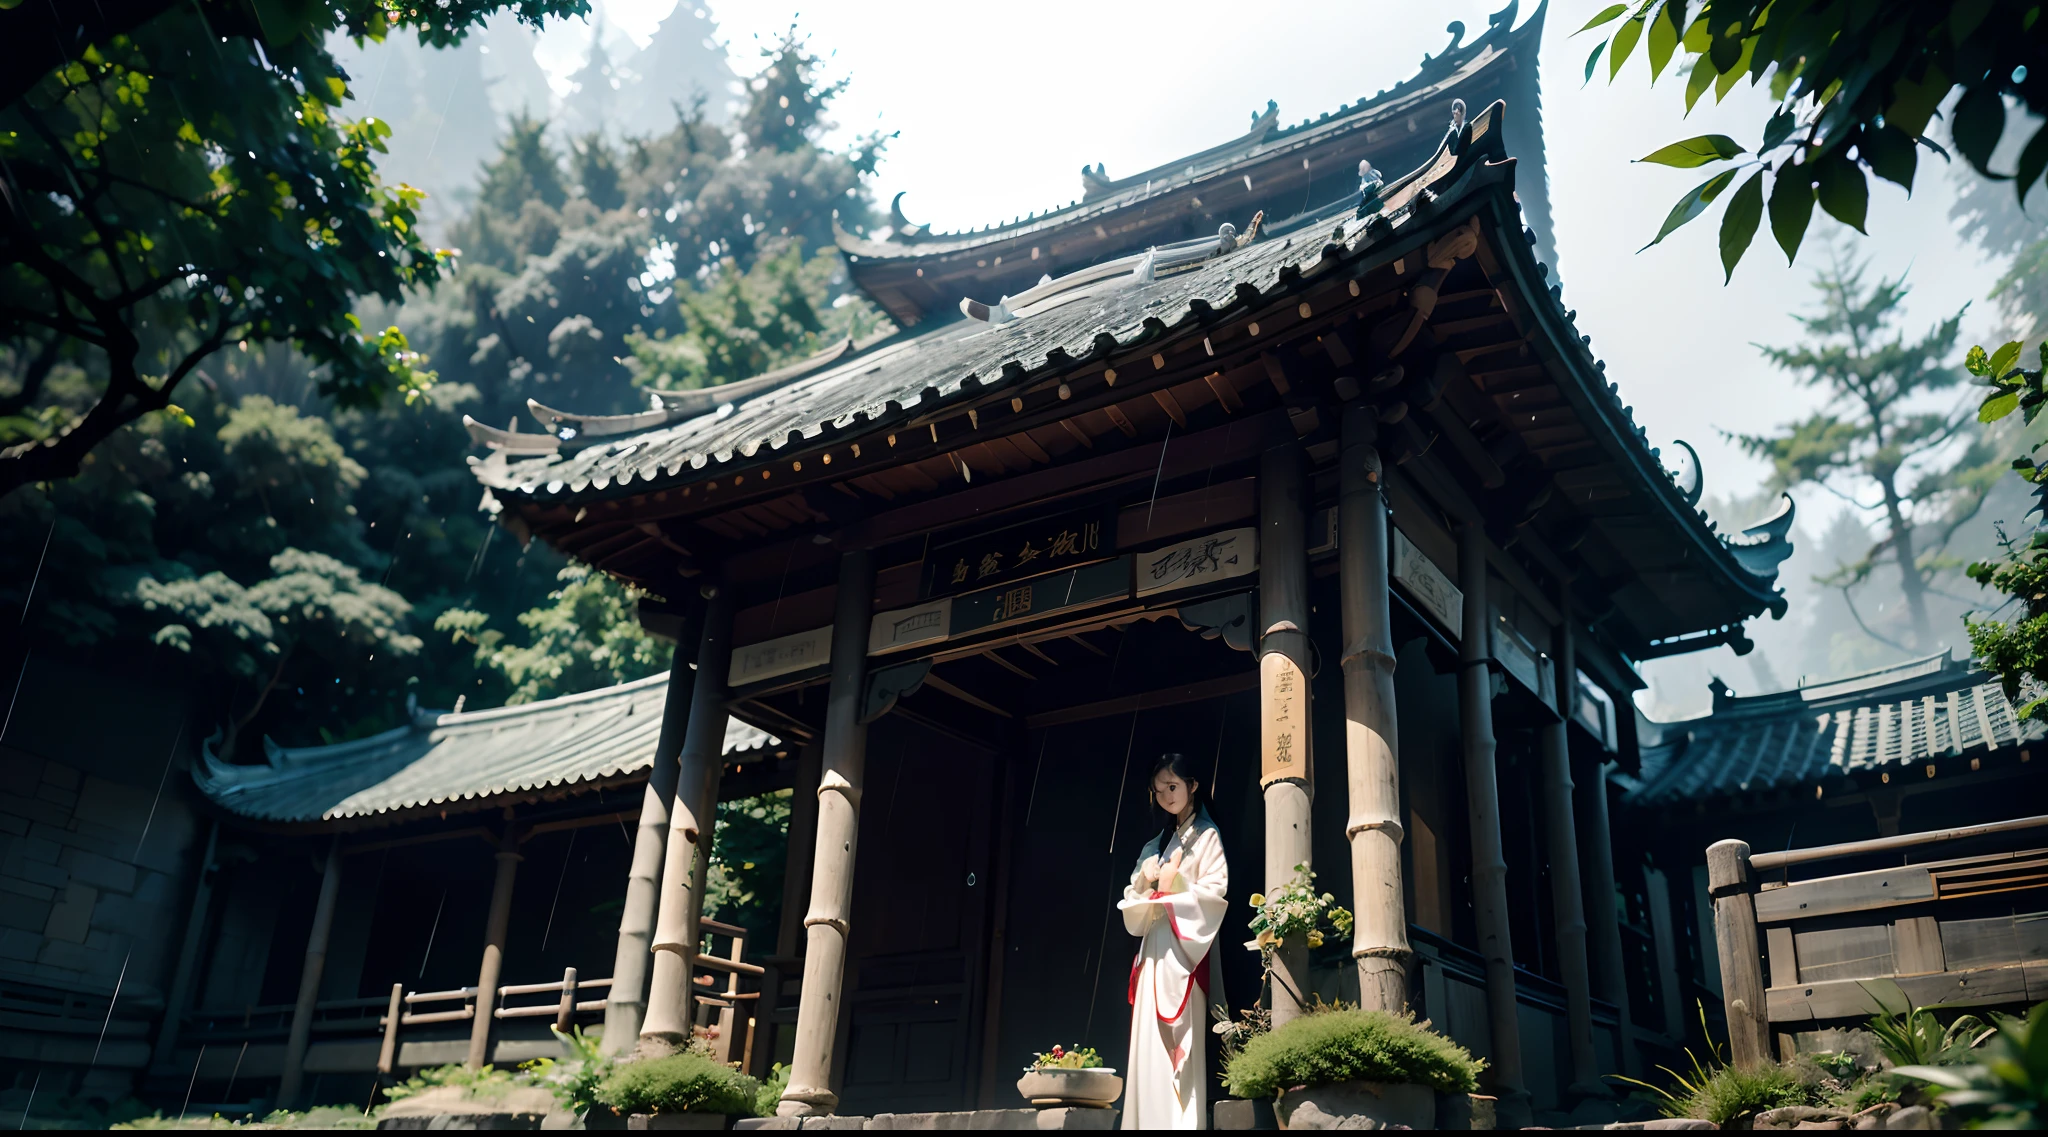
(1283, 719)
(1219, 556)
(1428, 585)
(929, 622)
(1020, 552)
(1089, 584)
(780, 656)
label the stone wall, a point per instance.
(97, 849)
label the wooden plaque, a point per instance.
(1283, 719)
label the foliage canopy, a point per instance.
(1856, 86)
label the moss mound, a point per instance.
(679, 1083)
(1343, 1046)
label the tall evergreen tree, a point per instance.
(1889, 439)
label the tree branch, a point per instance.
(1858, 617)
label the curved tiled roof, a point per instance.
(440, 760)
(1684, 586)
(1458, 61)
(1929, 711)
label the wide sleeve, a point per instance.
(1194, 908)
(1139, 912)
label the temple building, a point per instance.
(1287, 456)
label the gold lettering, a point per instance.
(960, 572)
(1015, 602)
(1027, 554)
(991, 564)
(1063, 545)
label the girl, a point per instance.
(1174, 905)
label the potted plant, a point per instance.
(1062, 1077)
(1344, 1062)
(1293, 914)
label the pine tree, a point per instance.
(1929, 468)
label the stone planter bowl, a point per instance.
(1050, 1088)
(1390, 1105)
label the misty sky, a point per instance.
(999, 106)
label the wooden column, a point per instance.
(1372, 765)
(1610, 974)
(1482, 802)
(689, 836)
(839, 789)
(625, 1004)
(180, 997)
(1561, 835)
(495, 925)
(301, 1034)
(1286, 778)
(796, 890)
(1742, 974)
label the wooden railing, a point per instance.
(399, 1010)
(1889, 939)
(733, 1008)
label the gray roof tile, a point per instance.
(440, 759)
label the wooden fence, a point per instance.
(1848, 946)
(731, 1009)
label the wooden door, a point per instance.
(922, 880)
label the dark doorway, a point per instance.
(920, 917)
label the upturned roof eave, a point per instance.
(1168, 177)
(1621, 437)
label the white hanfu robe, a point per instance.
(1165, 1081)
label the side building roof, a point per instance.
(1931, 712)
(1289, 172)
(475, 760)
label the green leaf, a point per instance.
(1998, 406)
(1738, 225)
(1891, 154)
(1695, 151)
(1696, 84)
(1729, 75)
(1625, 38)
(1779, 128)
(1694, 203)
(1978, 364)
(1663, 39)
(1964, 17)
(1791, 208)
(1593, 60)
(2003, 359)
(1726, 33)
(1606, 15)
(1913, 102)
(1979, 120)
(1844, 192)
(2033, 160)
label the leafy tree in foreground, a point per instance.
(2016, 649)
(185, 182)
(1856, 85)
(1929, 469)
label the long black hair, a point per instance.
(1180, 766)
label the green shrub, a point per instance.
(2005, 1086)
(685, 1082)
(770, 1094)
(1350, 1045)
